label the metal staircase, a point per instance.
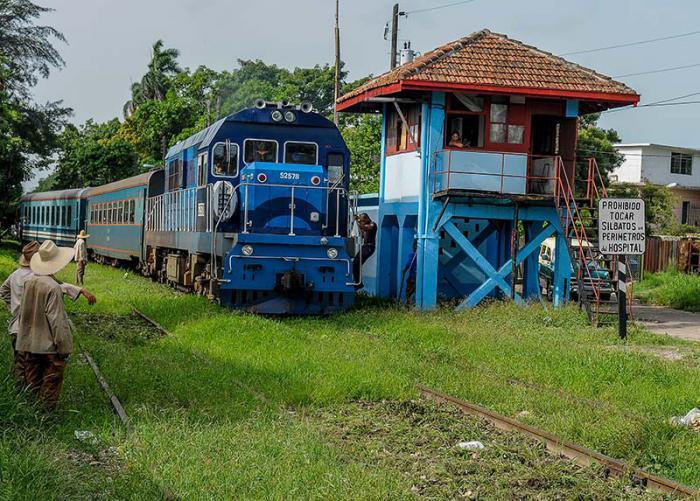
(577, 204)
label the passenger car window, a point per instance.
(222, 166)
(300, 153)
(257, 150)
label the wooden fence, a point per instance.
(663, 253)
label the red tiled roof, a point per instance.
(489, 61)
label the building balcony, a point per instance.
(506, 175)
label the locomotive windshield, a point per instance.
(222, 165)
(260, 150)
(300, 153)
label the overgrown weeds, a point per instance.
(676, 290)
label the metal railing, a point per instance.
(504, 173)
(180, 210)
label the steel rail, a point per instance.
(116, 404)
(155, 324)
(582, 456)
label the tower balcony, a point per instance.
(501, 174)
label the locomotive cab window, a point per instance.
(225, 163)
(335, 167)
(259, 150)
(300, 153)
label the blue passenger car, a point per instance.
(53, 215)
(115, 219)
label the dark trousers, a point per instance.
(20, 359)
(44, 375)
(80, 272)
(360, 259)
(410, 289)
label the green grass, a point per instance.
(677, 290)
(216, 406)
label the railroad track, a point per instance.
(579, 454)
(155, 324)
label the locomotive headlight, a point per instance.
(332, 253)
(290, 116)
(277, 116)
(247, 250)
(324, 241)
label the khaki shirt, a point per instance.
(13, 287)
(80, 250)
(43, 322)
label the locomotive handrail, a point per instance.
(292, 187)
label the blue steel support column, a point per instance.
(384, 243)
(433, 123)
(531, 279)
(562, 269)
(407, 233)
(382, 159)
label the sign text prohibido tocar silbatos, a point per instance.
(621, 226)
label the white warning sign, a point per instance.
(621, 226)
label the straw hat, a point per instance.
(27, 252)
(50, 258)
(82, 234)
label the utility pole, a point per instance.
(394, 34)
(337, 63)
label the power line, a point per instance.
(438, 7)
(662, 70)
(630, 44)
(614, 153)
(654, 103)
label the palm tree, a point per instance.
(155, 83)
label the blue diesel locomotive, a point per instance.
(253, 210)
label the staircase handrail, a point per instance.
(579, 232)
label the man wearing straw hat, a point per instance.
(11, 293)
(80, 256)
(44, 332)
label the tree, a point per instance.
(598, 143)
(253, 80)
(658, 202)
(93, 154)
(25, 47)
(155, 83)
(155, 125)
(47, 183)
(362, 134)
(28, 132)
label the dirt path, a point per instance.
(676, 323)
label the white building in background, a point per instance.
(672, 166)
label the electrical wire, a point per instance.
(631, 44)
(655, 103)
(662, 70)
(427, 9)
(615, 153)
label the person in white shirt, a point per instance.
(12, 291)
(80, 256)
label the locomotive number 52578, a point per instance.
(289, 175)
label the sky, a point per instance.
(108, 44)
